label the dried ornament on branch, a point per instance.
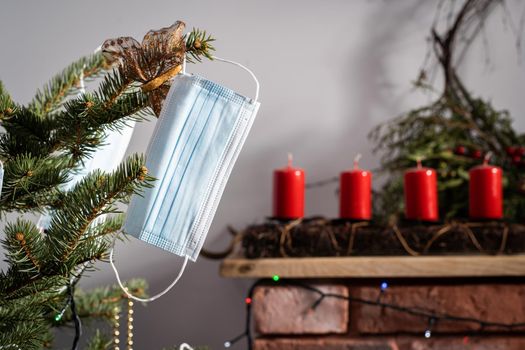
(158, 58)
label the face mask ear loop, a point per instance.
(184, 65)
(144, 300)
(246, 69)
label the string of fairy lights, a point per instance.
(431, 318)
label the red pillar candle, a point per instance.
(355, 193)
(288, 192)
(486, 192)
(421, 200)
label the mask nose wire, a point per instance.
(125, 289)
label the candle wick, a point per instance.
(487, 158)
(418, 160)
(290, 159)
(356, 161)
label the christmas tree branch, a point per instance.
(93, 196)
(51, 96)
(7, 106)
(89, 115)
(31, 182)
(68, 243)
(23, 245)
(198, 45)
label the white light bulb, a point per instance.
(227, 344)
(428, 334)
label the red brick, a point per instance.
(392, 343)
(462, 343)
(288, 310)
(503, 303)
(323, 344)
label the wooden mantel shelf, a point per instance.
(376, 267)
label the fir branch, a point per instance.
(106, 227)
(99, 341)
(27, 132)
(67, 243)
(100, 302)
(24, 246)
(51, 96)
(95, 195)
(199, 45)
(112, 87)
(20, 326)
(7, 106)
(90, 115)
(31, 182)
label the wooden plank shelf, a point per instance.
(376, 267)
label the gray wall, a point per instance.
(329, 71)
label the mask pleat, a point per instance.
(205, 156)
(167, 140)
(215, 150)
(182, 177)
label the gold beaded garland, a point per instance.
(130, 324)
(116, 326)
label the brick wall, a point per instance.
(284, 318)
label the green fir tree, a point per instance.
(42, 145)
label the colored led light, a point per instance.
(248, 300)
(384, 285)
(275, 278)
(428, 334)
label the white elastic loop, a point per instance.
(235, 64)
(82, 89)
(144, 300)
(246, 69)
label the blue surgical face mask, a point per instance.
(196, 141)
